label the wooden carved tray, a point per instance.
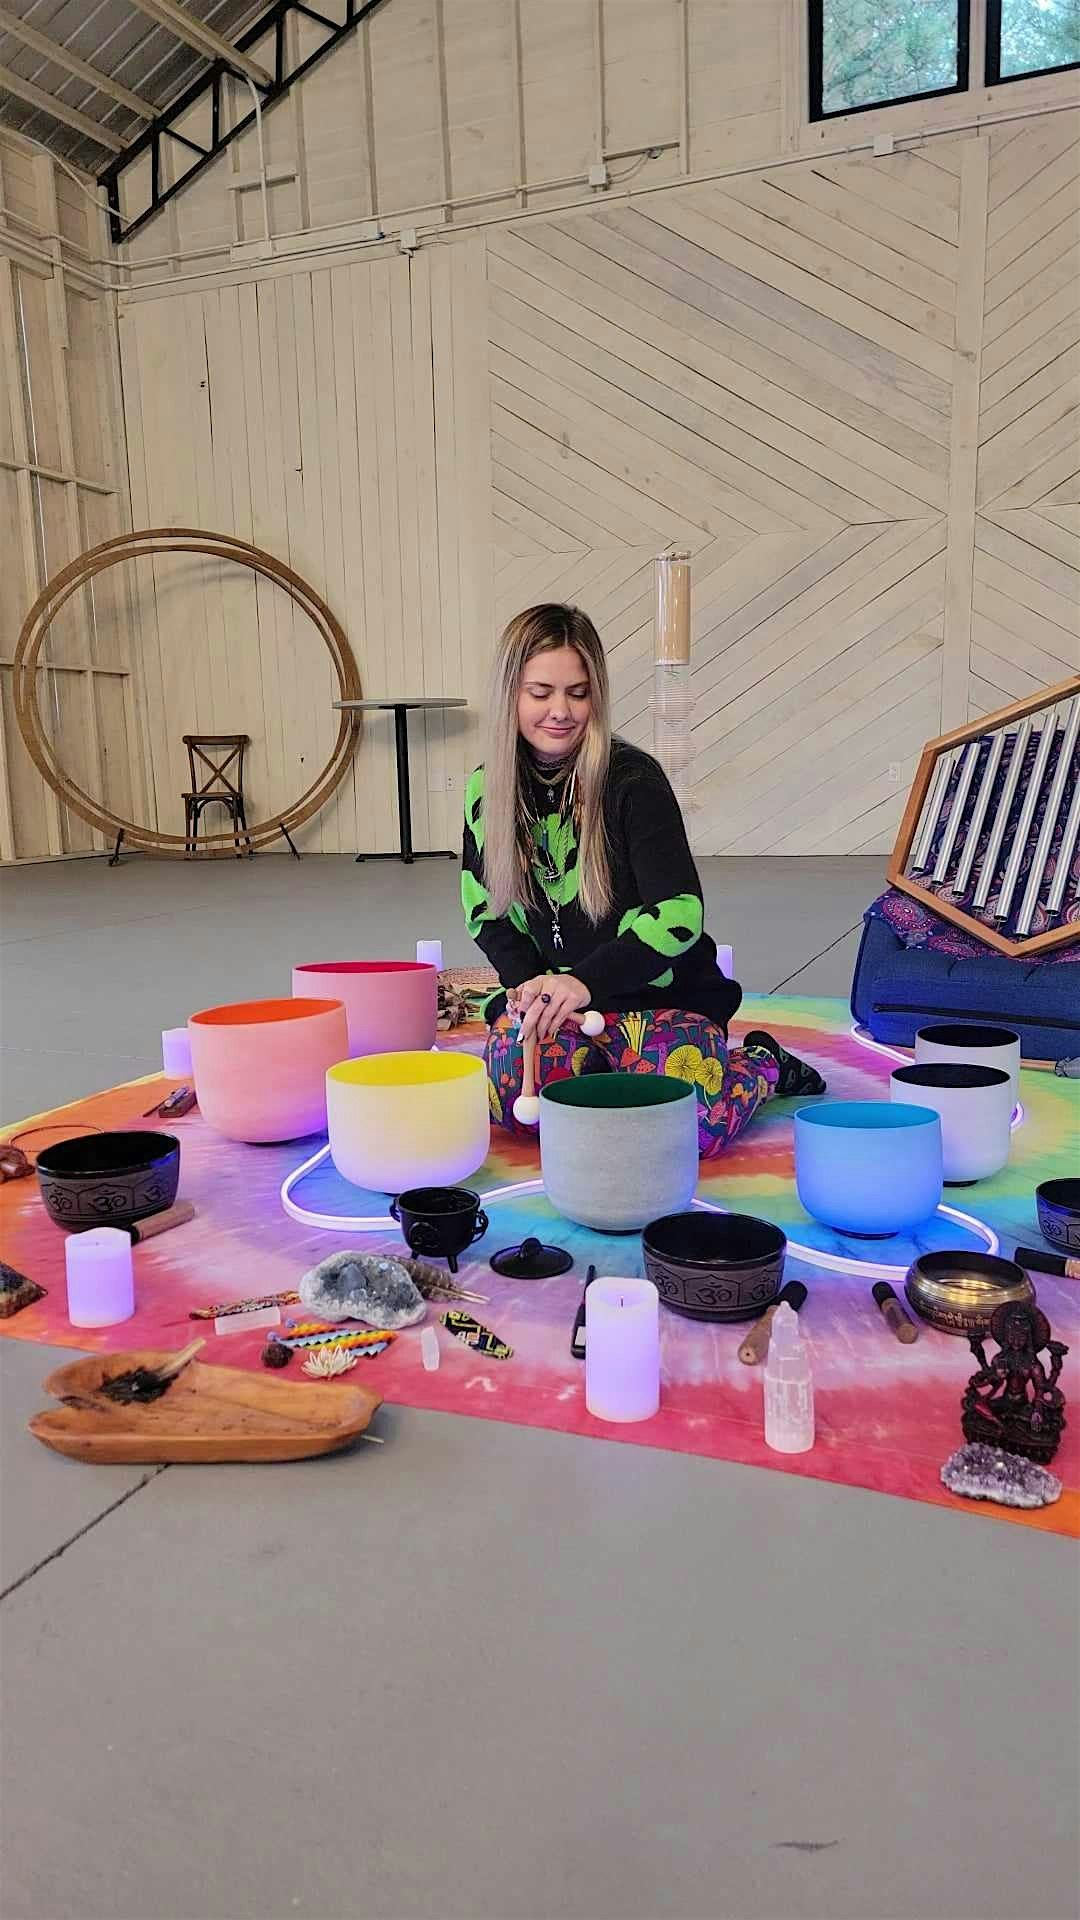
(208, 1413)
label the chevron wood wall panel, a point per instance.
(1025, 628)
(847, 385)
(761, 372)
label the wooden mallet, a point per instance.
(527, 1104)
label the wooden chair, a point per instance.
(216, 762)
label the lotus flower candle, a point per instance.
(390, 1005)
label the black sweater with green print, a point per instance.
(651, 950)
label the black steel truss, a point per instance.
(163, 128)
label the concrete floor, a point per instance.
(484, 1673)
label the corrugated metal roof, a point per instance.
(125, 45)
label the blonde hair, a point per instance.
(508, 873)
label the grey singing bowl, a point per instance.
(109, 1179)
(715, 1266)
(617, 1149)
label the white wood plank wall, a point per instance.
(337, 418)
(847, 381)
(63, 487)
(847, 385)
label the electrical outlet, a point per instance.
(896, 772)
(451, 783)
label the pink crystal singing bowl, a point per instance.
(390, 1005)
(260, 1066)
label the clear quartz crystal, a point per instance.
(789, 1387)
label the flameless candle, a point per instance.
(429, 953)
(100, 1277)
(725, 960)
(622, 1349)
(176, 1052)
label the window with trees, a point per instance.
(1029, 37)
(875, 53)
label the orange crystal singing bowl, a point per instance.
(260, 1066)
(400, 1120)
(391, 1005)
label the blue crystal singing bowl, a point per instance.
(866, 1167)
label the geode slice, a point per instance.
(989, 1473)
(363, 1286)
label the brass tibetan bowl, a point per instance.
(956, 1292)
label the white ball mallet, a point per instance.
(527, 1104)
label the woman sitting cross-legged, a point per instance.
(579, 886)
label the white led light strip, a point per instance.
(813, 1256)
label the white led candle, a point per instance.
(176, 1052)
(622, 1349)
(100, 1278)
(429, 953)
(725, 960)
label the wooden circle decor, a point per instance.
(220, 546)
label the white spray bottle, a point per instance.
(789, 1386)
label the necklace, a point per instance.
(549, 872)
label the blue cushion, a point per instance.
(897, 989)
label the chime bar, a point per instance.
(990, 836)
(920, 852)
(1056, 897)
(1027, 815)
(997, 832)
(1037, 871)
(979, 811)
(956, 811)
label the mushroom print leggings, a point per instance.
(731, 1083)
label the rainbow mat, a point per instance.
(887, 1415)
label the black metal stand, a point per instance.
(407, 852)
(114, 857)
(289, 838)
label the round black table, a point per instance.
(401, 710)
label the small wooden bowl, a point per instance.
(957, 1292)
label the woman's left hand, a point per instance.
(545, 1004)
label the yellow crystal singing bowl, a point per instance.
(399, 1120)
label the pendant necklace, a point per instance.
(549, 871)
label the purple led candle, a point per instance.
(622, 1349)
(100, 1278)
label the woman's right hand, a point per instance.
(520, 999)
